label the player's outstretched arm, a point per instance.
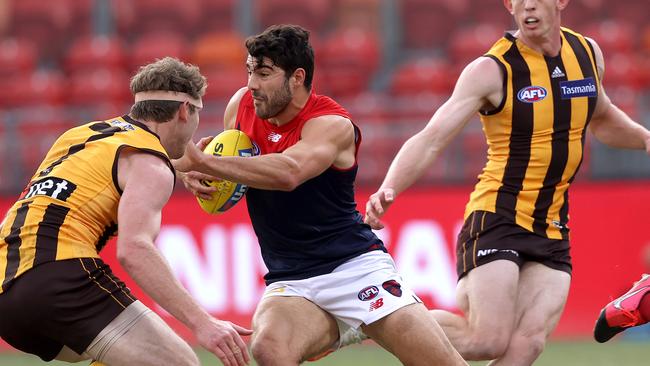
(612, 126)
(325, 141)
(479, 86)
(147, 184)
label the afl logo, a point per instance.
(531, 94)
(368, 293)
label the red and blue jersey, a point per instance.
(316, 227)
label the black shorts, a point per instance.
(486, 237)
(61, 303)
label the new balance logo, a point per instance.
(376, 304)
(274, 137)
(557, 73)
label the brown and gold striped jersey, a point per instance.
(69, 208)
(536, 136)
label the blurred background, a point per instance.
(391, 63)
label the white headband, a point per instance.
(168, 95)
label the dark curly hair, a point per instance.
(287, 46)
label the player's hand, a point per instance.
(223, 338)
(376, 207)
(193, 183)
(647, 145)
(204, 142)
(192, 156)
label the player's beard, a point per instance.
(276, 102)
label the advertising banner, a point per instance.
(217, 257)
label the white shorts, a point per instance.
(360, 291)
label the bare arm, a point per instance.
(479, 85)
(147, 184)
(612, 126)
(325, 141)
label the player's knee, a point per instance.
(180, 355)
(489, 345)
(529, 343)
(268, 350)
(185, 359)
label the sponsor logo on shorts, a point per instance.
(578, 88)
(368, 293)
(393, 287)
(278, 290)
(376, 304)
(484, 252)
(531, 94)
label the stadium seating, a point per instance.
(223, 83)
(46, 23)
(473, 151)
(81, 16)
(645, 40)
(28, 90)
(621, 70)
(90, 52)
(581, 13)
(643, 70)
(17, 56)
(5, 183)
(313, 15)
(625, 98)
(468, 43)
(102, 85)
(148, 47)
(496, 15)
(41, 132)
(426, 24)
(423, 75)
(369, 108)
(373, 166)
(217, 15)
(224, 49)
(69, 57)
(142, 16)
(347, 61)
(633, 13)
(612, 35)
(365, 14)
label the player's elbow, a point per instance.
(287, 182)
(602, 132)
(288, 178)
(127, 254)
(123, 256)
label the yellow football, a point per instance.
(227, 143)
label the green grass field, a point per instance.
(557, 353)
